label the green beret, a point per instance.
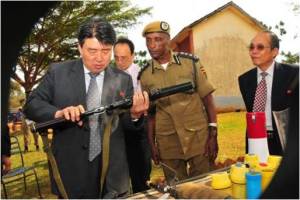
(157, 26)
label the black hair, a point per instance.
(123, 40)
(99, 28)
(274, 39)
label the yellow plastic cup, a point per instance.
(252, 160)
(238, 191)
(220, 180)
(238, 173)
(267, 172)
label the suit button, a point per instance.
(84, 146)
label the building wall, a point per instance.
(221, 42)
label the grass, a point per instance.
(16, 189)
(231, 138)
(231, 146)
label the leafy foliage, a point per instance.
(280, 27)
(140, 58)
(290, 57)
(17, 96)
(53, 37)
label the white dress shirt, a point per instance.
(133, 70)
(269, 81)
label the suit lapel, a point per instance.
(276, 86)
(252, 84)
(107, 95)
(78, 82)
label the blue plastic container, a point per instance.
(253, 185)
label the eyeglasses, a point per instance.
(259, 47)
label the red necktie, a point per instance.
(261, 94)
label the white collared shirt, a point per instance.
(133, 70)
(269, 81)
(99, 79)
(164, 66)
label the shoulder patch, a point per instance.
(188, 55)
(143, 68)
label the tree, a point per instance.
(16, 96)
(53, 37)
(140, 58)
(290, 58)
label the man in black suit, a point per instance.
(65, 92)
(263, 49)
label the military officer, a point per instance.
(184, 126)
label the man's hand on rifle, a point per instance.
(71, 113)
(140, 105)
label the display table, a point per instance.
(196, 187)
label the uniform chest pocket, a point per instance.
(193, 124)
(164, 127)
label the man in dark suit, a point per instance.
(65, 91)
(263, 49)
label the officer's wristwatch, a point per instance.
(212, 125)
(213, 129)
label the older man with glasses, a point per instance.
(273, 80)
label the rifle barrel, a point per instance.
(124, 103)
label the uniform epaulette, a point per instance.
(177, 60)
(143, 68)
(188, 55)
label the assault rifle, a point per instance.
(122, 104)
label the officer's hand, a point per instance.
(71, 113)
(140, 104)
(211, 146)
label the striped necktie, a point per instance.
(261, 94)
(93, 100)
